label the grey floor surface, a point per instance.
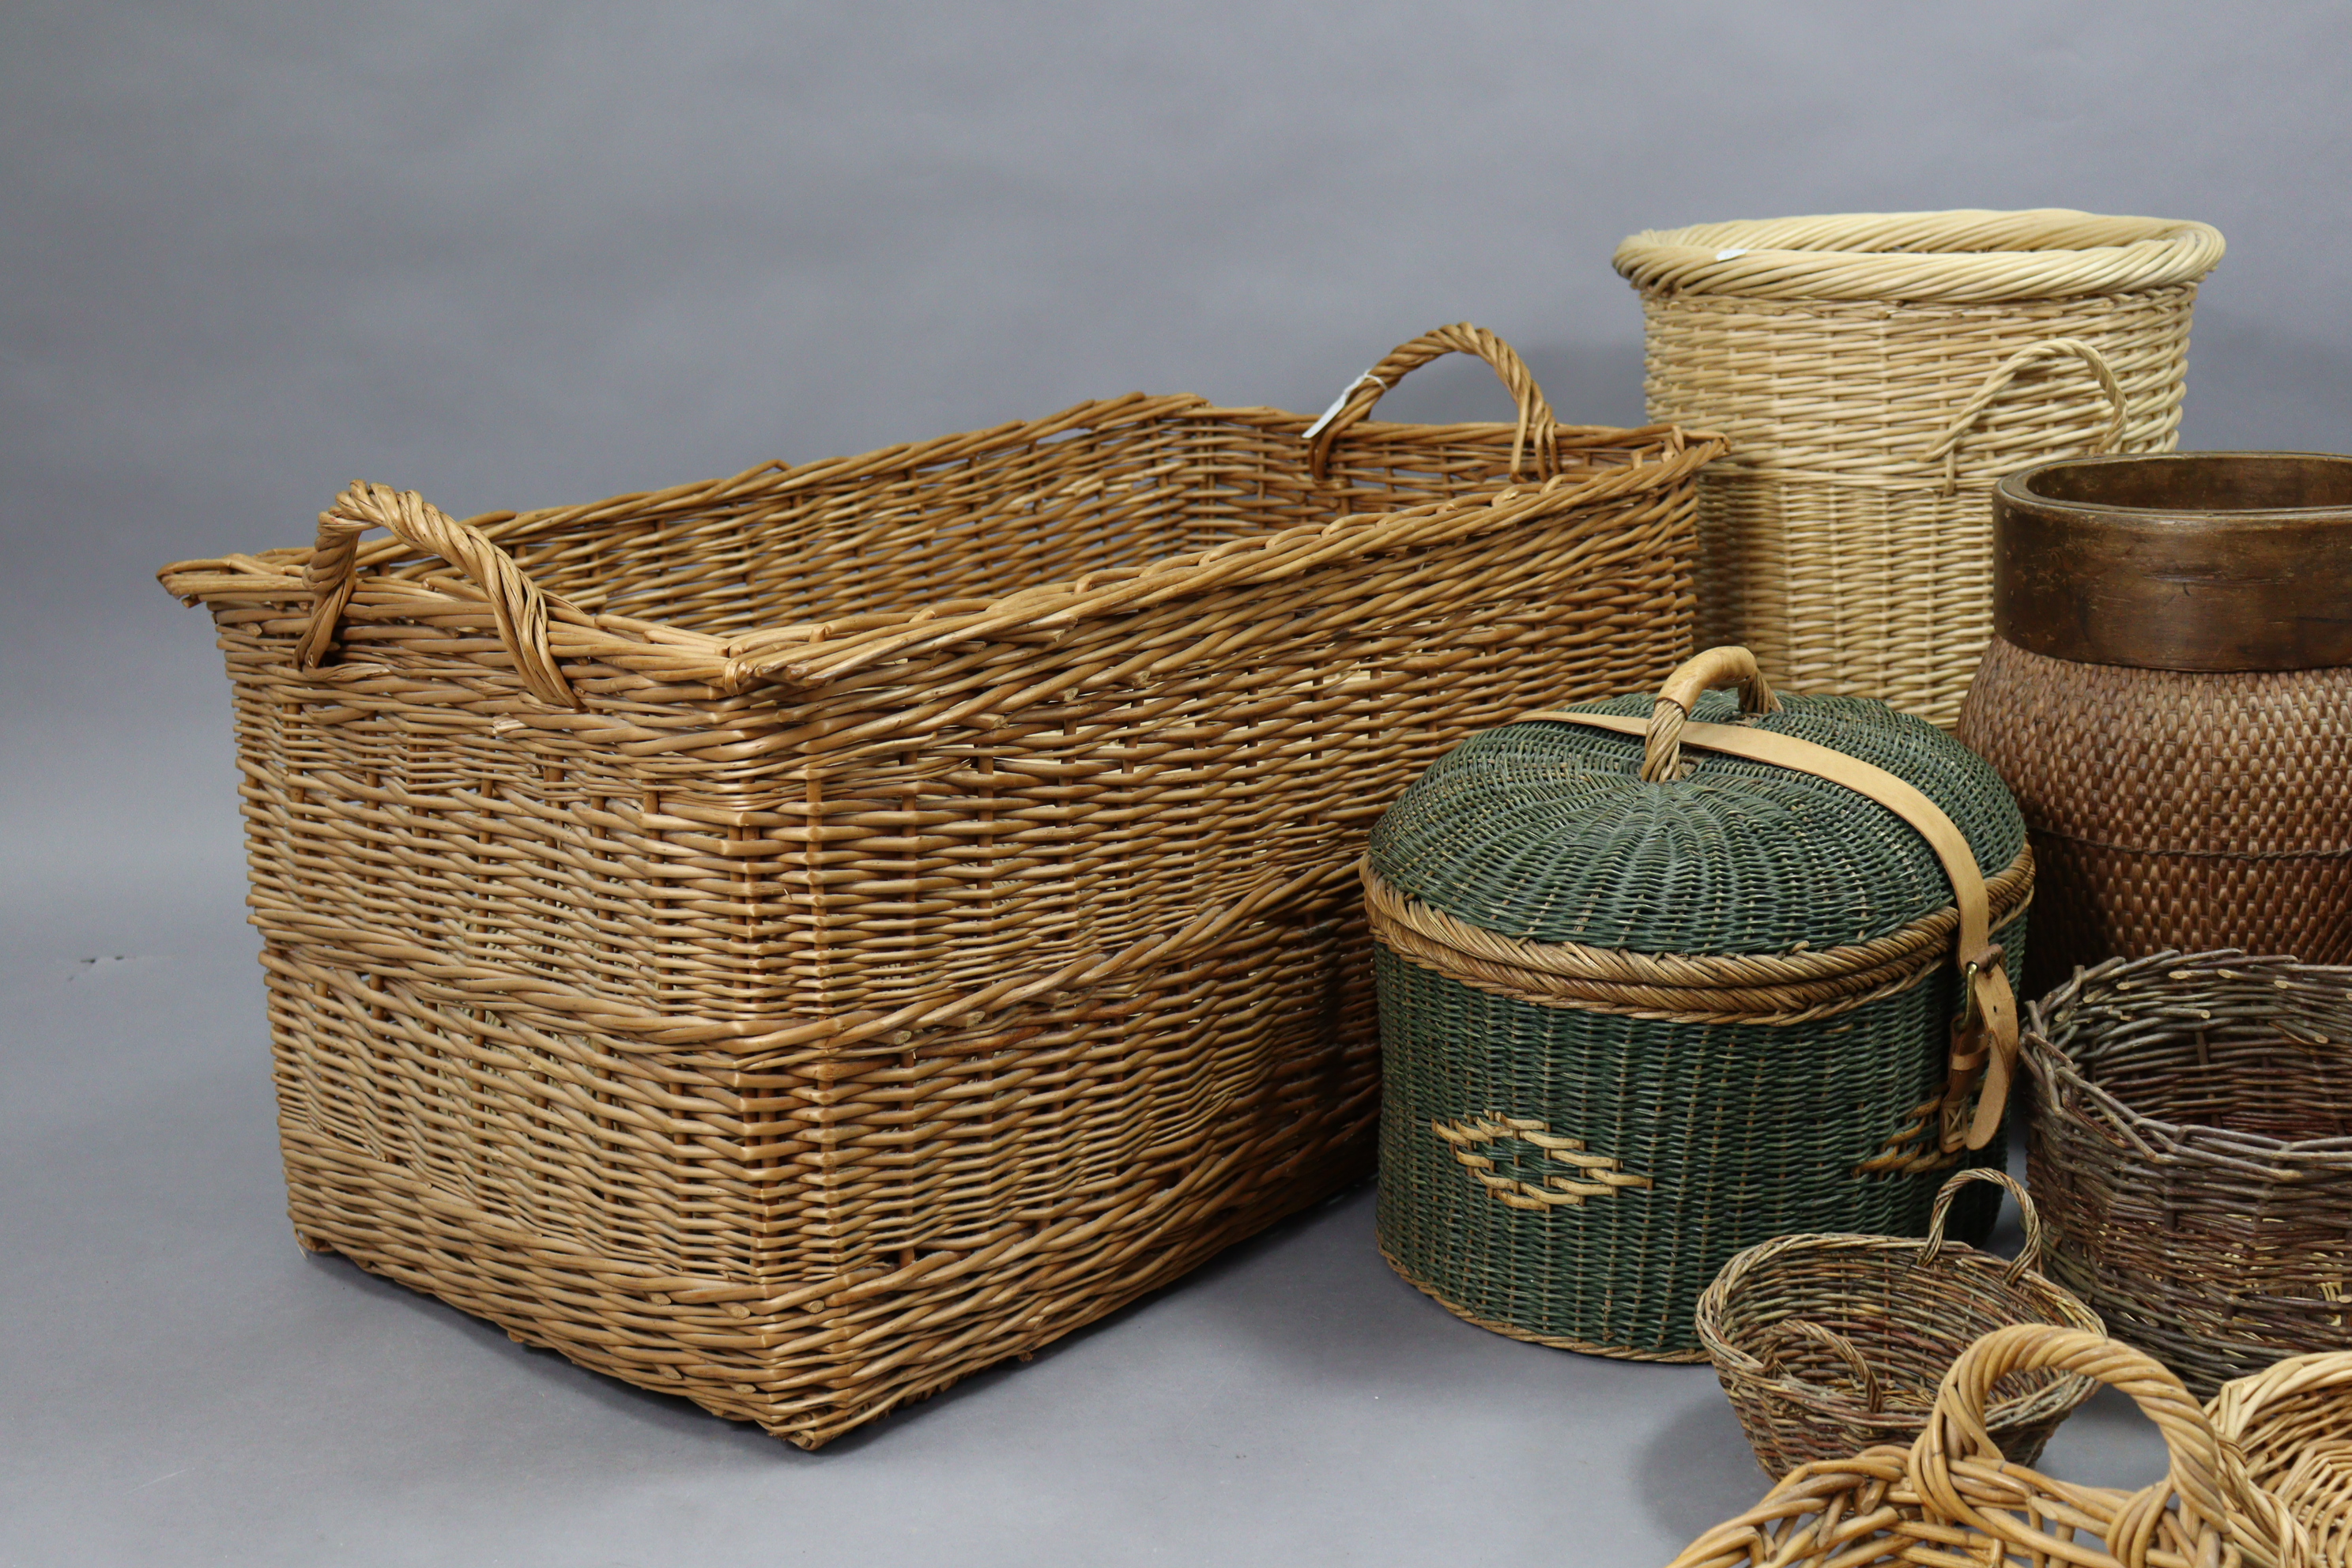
(184, 1386)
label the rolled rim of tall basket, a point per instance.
(2010, 1290)
(1966, 255)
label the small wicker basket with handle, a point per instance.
(1829, 1344)
(1953, 1500)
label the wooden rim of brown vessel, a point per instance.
(2192, 561)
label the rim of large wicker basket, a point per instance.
(539, 629)
(1965, 255)
(2047, 1302)
(2150, 1135)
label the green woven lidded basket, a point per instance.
(1661, 979)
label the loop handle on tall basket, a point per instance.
(515, 601)
(2207, 1479)
(1787, 1333)
(2028, 1256)
(2003, 376)
(1537, 428)
(1984, 1037)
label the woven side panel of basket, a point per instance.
(1772, 1125)
(2192, 1153)
(1832, 544)
(1846, 541)
(2172, 811)
(825, 1009)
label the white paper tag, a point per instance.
(1339, 403)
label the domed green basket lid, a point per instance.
(1546, 830)
(1801, 862)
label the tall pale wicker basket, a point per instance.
(795, 940)
(1876, 374)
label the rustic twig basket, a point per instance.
(2292, 1425)
(1953, 1499)
(2193, 1154)
(1876, 373)
(1830, 1344)
(796, 940)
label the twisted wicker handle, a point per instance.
(2004, 374)
(1536, 422)
(1785, 1334)
(2028, 1256)
(1662, 748)
(515, 600)
(2210, 1485)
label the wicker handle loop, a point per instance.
(1662, 748)
(1537, 425)
(2004, 375)
(515, 600)
(2209, 1484)
(1789, 1332)
(2028, 1256)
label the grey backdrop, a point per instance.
(513, 255)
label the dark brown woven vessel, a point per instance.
(2169, 696)
(1830, 1344)
(2191, 1150)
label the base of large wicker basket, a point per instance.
(771, 1361)
(1614, 1352)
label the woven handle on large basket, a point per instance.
(515, 600)
(1984, 1037)
(2208, 1482)
(1537, 428)
(2003, 376)
(2028, 1256)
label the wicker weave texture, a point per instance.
(2173, 811)
(2193, 1154)
(1690, 1139)
(1876, 374)
(1827, 1345)
(2292, 1423)
(796, 940)
(1954, 1499)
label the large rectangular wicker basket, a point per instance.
(795, 940)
